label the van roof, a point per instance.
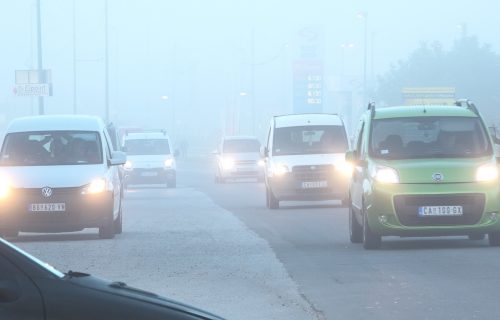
(56, 123)
(418, 111)
(307, 119)
(145, 135)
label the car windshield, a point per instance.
(50, 148)
(309, 140)
(136, 147)
(429, 137)
(241, 146)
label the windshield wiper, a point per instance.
(77, 274)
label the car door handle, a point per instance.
(9, 291)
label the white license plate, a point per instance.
(440, 211)
(47, 207)
(314, 184)
(149, 174)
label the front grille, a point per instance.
(407, 209)
(36, 193)
(245, 162)
(313, 173)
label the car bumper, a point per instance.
(290, 188)
(393, 209)
(241, 172)
(81, 211)
(146, 176)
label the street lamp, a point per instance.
(364, 17)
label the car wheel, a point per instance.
(172, 183)
(106, 231)
(370, 240)
(477, 236)
(272, 202)
(9, 233)
(118, 223)
(355, 229)
(494, 239)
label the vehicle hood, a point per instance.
(148, 161)
(121, 289)
(423, 170)
(52, 176)
(308, 159)
(247, 156)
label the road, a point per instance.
(218, 247)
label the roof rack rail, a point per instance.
(371, 107)
(466, 103)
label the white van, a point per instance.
(59, 174)
(305, 159)
(150, 159)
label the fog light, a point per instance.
(382, 219)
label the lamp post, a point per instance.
(106, 61)
(364, 17)
(172, 127)
(41, 109)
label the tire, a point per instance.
(272, 202)
(494, 239)
(355, 229)
(9, 233)
(371, 241)
(106, 231)
(477, 236)
(118, 223)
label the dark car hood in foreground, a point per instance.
(121, 289)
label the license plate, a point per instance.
(149, 174)
(47, 207)
(314, 184)
(440, 211)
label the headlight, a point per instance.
(280, 169)
(261, 163)
(169, 163)
(4, 189)
(227, 163)
(344, 167)
(386, 175)
(96, 186)
(487, 172)
(128, 165)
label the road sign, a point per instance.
(32, 90)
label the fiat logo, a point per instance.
(438, 177)
(46, 192)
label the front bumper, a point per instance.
(150, 175)
(243, 171)
(289, 187)
(392, 210)
(81, 211)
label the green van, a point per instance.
(423, 171)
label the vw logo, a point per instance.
(46, 192)
(438, 177)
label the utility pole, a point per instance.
(252, 96)
(75, 110)
(106, 62)
(365, 63)
(41, 109)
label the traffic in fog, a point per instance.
(249, 160)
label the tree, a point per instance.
(473, 69)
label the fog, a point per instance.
(202, 69)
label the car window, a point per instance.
(240, 146)
(147, 147)
(309, 140)
(51, 148)
(429, 137)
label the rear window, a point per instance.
(241, 146)
(136, 147)
(309, 140)
(429, 137)
(51, 148)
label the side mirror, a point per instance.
(124, 149)
(176, 153)
(264, 152)
(117, 158)
(351, 156)
(493, 134)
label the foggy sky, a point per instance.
(198, 53)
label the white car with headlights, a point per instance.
(59, 174)
(305, 159)
(238, 157)
(150, 159)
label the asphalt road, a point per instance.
(410, 278)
